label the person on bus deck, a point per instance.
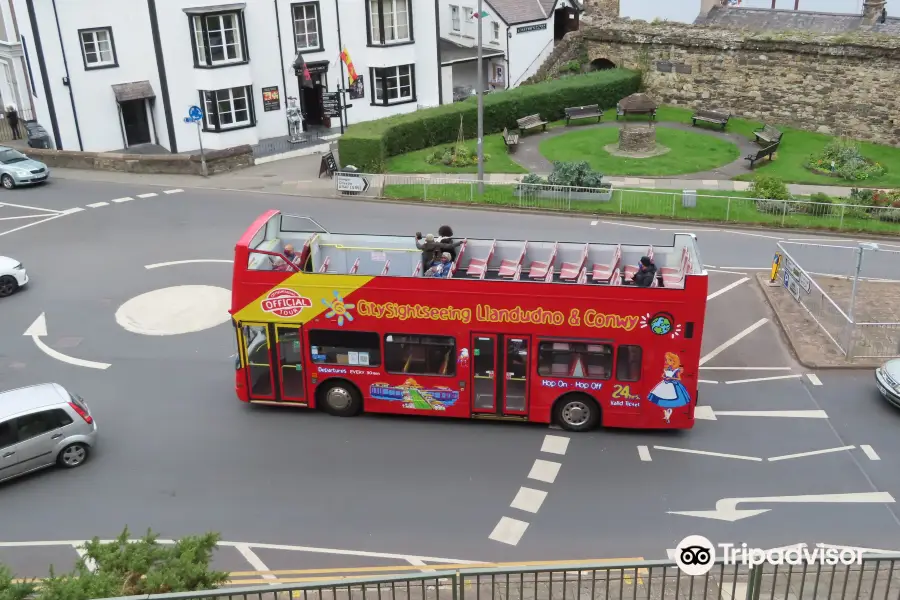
(430, 246)
(441, 268)
(292, 256)
(445, 236)
(645, 274)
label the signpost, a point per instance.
(352, 184)
(195, 115)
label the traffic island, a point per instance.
(812, 346)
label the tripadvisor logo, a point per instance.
(695, 555)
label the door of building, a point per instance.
(135, 122)
(500, 371)
(311, 99)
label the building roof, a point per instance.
(525, 11)
(451, 52)
(764, 19)
(136, 90)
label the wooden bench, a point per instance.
(768, 135)
(712, 117)
(511, 140)
(531, 122)
(762, 153)
(584, 112)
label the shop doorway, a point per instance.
(564, 21)
(311, 99)
(135, 122)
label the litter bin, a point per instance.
(349, 181)
(689, 199)
(37, 136)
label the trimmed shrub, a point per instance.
(368, 145)
(769, 188)
(820, 205)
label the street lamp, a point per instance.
(480, 80)
(863, 246)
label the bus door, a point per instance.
(500, 374)
(256, 354)
(289, 363)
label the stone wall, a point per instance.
(847, 84)
(217, 161)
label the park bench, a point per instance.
(712, 117)
(762, 153)
(531, 122)
(768, 135)
(511, 140)
(584, 112)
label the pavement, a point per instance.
(181, 455)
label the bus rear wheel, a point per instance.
(577, 413)
(340, 398)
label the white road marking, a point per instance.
(149, 195)
(729, 272)
(817, 240)
(177, 191)
(870, 452)
(745, 368)
(747, 268)
(70, 211)
(555, 444)
(38, 329)
(785, 414)
(509, 531)
(125, 199)
(728, 288)
(776, 378)
(706, 381)
(759, 235)
(175, 310)
(254, 560)
(25, 206)
(685, 229)
(21, 227)
(97, 204)
(812, 453)
(813, 379)
(704, 413)
(628, 225)
(20, 217)
(705, 453)
(544, 470)
(529, 499)
(733, 341)
(644, 453)
(727, 508)
(185, 262)
(594, 223)
(89, 564)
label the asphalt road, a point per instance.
(181, 455)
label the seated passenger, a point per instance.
(279, 264)
(430, 246)
(445, 234)
(441, 268)
(645, 274)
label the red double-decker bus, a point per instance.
(520, 330)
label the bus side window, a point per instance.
(575, 359)
(628, 363)
(420, 354)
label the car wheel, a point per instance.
(73, 456)
(8, 286)
(577, 413)
(341, 399)
(7, 181)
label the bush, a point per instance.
(820, 205)
(454, 156)
(567, 175)
(887, 206)
(368, 145)
(769, 188)
(843, 158)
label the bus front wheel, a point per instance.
(341, 399)
(577, 412)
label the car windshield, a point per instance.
(8, 157)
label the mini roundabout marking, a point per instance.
(175, 310)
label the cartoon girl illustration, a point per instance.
(670, 392)
(463, 359)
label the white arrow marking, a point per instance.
(727, 510)
(812, 453)
(38, 329)
(187, 262)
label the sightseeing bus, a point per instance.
(541, 331)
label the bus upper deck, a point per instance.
(322, 251)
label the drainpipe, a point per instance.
(341, 88)
(68, 79)
(281, 51)
(437, 35)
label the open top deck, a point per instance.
(573, 263)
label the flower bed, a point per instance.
(574, 180)
(842, 158)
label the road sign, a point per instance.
(195, 113)
(352, 183)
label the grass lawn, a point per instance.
(688, 152)
(736, 208)
(499, 161)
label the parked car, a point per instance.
(12, 276)
(17, 169)
(887, 378)
(41, 426)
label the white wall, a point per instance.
(528, 50)
(447, 83)
(468, 34)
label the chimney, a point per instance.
(872, 11)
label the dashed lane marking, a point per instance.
(758, 379)
(178, 191)
(509, 531)
(728, 288)
(98, 204)
(70, 211)
(707, 381)
(745, 368)
(125, 199)
(544, 470)
(555, 444)
(870, 452)
(813, 379)
(628, 225)
(529, 500)
(644, 453)
(148, 195)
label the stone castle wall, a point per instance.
(844, 85)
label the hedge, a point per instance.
(368, 145)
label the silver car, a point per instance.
(887, 378)
(17, 169)
(41, 426)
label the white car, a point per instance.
(12, 276)
(887, 378)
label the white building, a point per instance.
(686, 11)
(517, 37)
(15, 85)
(113, 74)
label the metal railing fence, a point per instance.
(724, 208)
(876, 578)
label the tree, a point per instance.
(124, 568)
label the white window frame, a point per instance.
(104, 57)
(455, 23)
(395, 32)
(469, 11)
(217, 100)
(304, 40)
(495, 31)
(232, 52)
(402, 77)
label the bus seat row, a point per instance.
(674, 275)
(603, 270)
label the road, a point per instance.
(181, 455)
